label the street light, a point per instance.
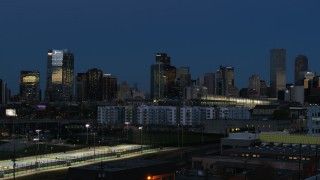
(127, 123)
(38, 132)
(94, 145)
(140, 128)
(87, 126)
(178, 135)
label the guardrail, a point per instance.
(47, 162)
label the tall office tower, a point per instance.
(300, 65)
(306, 79)
(30, 86)
(225, 82)
(263, 88)
(209, 82)
(163, 78)
(183, 79)
(3, 92)
(60, 76)
(254, 83)
(277, 71)
(81, 87)
(124, 91)
(94, 85)
(110, 87)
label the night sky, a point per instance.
(121, 37)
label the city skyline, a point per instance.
(112, 37)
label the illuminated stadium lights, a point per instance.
(246, 102)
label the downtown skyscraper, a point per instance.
(277, 71)
(163, 77)
(224, 79)
(3, 92)
(300, 66)
(30, 86)
(60, 76)
(94, 85)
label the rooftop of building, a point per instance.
(278, 149)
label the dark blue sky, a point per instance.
(121, 37)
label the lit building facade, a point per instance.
(277, 71)
(254, 83)
(30, 86)
(225, 82)
(163, 77)
(60, 76)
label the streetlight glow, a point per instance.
(140, 128)
(127, 123)
(87, 126)
(38, 132)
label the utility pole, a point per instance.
(14, 161)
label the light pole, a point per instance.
(202, 128)
(178, 135)
(127, 123)
(140, 128)
(38, 132)
(94, 145)
(87, 126)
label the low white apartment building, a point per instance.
(313, 119)
(115, 114)
(153, 115)
(234, 113)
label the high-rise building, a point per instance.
(94, 84)
(3, 92)
(263, 88)
(124, 91)
(209, 82)
(254, 83)
(225, 82)
(81, 87)
(277, 71)
(30, 86)
(163, 77)
(110, 87)
(60, 76)
(306, 79)
(183, 79)
(300, 65)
